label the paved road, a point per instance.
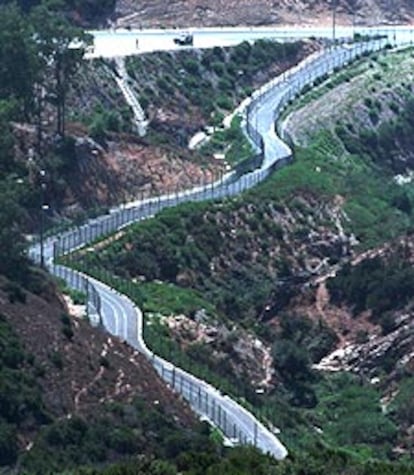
(121, 317)
(122, 42)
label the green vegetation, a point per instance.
(350, 415)
(78, 297)
(103, 121)
(154, 249)
(317, 171)
(378, 284)
(34, 56)
(235, 264)
(20, 395)
(385, 145)
(232, 142)
(135, 428)
(228, 75)
(172, 299)
(320, 461)
(208, 248)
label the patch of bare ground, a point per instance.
(144, 170)
(247, 355)
(185, 13)
(124, 169)
(81, 370)
(362, 346)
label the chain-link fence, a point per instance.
(273, 153)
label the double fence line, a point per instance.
(259, 117)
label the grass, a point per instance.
(232, 142)
(170, 299)
(325, 170)
(379, 79)
(325, 84)
(349, 415)
(78, 297)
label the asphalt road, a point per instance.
(122, 318)
(123, 42)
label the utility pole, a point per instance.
(43, 208)
(334, 6)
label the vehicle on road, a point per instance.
(184, 39)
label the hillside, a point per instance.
(295, 297)
(63, 382)
(186, 13)
(315, 260)
(103, 162)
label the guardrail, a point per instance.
(273, 154)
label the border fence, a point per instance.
(272, 152)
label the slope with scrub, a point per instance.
(258, 258)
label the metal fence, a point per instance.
(281, 91)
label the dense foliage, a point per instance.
(20, 395)
(134, 428)
(319, 460)
(228, 250)
(350, 415)
(227, 74)
(34, 58)
(378, 284)
(389, 144)
(200, 87)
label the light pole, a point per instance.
(43, 207)
(182, 74)
(334, 5)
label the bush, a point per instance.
(224, 102)
(8, 444)
(97, 129)
(15, 292)
(57, 360)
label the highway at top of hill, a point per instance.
(123, 42)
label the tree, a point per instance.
(60, 49)
(7, 112)
(13, 262)
(18, 64)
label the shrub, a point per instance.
(57, 360)
(8, 444)
(15, 292)
(68, 333)
(97, 129)
(224, 102)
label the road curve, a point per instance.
(121, 317)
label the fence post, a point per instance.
(255, 434)
(87, 298)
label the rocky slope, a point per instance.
(263, 12)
